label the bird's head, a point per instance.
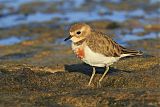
(79, 32)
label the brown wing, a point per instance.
(101, 43)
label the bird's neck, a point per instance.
(80, 42)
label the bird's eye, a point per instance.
(79, 32)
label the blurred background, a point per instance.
(32, 31)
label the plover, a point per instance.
(96, 48)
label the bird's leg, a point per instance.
(93, 73)
(106, 70)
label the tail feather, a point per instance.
(129, 52)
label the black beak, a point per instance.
(69, 37)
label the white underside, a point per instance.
(96, 59)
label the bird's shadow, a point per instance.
(86, 69)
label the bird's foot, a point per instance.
(88, 85)
(99, 84)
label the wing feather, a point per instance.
(101, 43)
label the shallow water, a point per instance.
(66, 13)
(70, 17)
(131, 37)
(72, 11)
